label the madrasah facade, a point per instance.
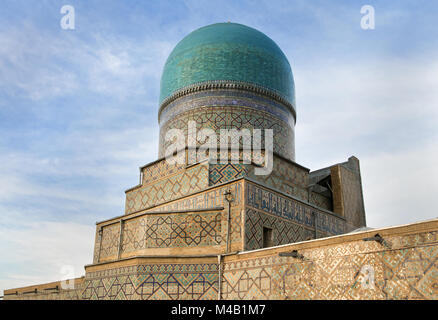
(199, 228)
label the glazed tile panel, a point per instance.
(221, 98)
(220, 173)
(153, 282)
(232, 117)
(321, 201)
(174, 230)
(109, 243)
(284, 231)
(159, 170)
(286, 177)
(288, 208)
(183, 183)
(212, 198)
(353, 270)
(177, 230)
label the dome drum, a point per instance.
(228, 76)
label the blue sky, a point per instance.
(78, 109)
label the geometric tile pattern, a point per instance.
(160, 231)
(191, 180)
(405, 267)
(219, 173)
(286, 177)
(109, 243)
(153, 282)
(232, 117)
(293, 210)
(411, 273)
(176, 230)
(321, 201)
(220, 97)
(284, 231)
(209, 199)
(159, 170)
(179, 229)
(357, 270)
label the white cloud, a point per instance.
(34, 252)
(38, 64)
(400, 188)
(339, 104)
(385, 113)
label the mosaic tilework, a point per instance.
(321, 201)
(404, 267)
(109, 242)
(291, 209)
(151, 282)
(219, 173)
(285, 177)
(209, 199)
(177, 230)
(337, 272)
(284, 231)
(191, 180)
(214, 198)
(223, 98)
(159, 170)
(232, 117)
(174, 230)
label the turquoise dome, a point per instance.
(224, 52)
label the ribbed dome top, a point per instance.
(228, 51)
